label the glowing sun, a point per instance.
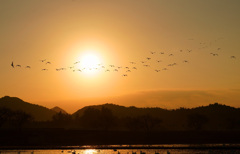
(90, 62)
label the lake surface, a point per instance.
(131, 149)
(125, 151)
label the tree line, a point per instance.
(105, 119)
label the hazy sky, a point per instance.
(197, 41)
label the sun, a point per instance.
(90, 63)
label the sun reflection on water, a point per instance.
(90, 151)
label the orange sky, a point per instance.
(116, 33)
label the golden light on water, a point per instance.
(90, 151)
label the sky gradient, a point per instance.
(202, 36)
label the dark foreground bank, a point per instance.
(60, 137)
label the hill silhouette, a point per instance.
(110, 116)
(58, 110)
(112, 124)
(122, 111)
(212, 117)
(39, 113)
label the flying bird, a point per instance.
(18, 65)
(124, 75)
(43, 60)
(152, 52)
(12, 65)
(28, 67)
(48, 62)
(148, 58)
(76, 62)
(214, 54)
(44, 69)
(233, 57)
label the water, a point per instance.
(135, 149)
(123, 151)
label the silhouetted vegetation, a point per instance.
(114, 124)
(114, 117)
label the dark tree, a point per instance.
(196, 121)
(61, 120)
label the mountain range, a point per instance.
(216, 112)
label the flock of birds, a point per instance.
(154, 61)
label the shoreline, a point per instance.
(160, 146)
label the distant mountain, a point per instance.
(216, 116)
(58, 109)
(122, 111)
(39, 113)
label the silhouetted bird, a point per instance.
(148, 58)
(44, 69)
(171, 55)
(43, 60)
(146, 65)
(12, 65)
(214, 54)
(159, 61)
(134, 68)
(48, 62)
(28, 67)
(233, 57)
(124, 75)
(18, 65)
(152, 52)
(185, 61)
(161, 53)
